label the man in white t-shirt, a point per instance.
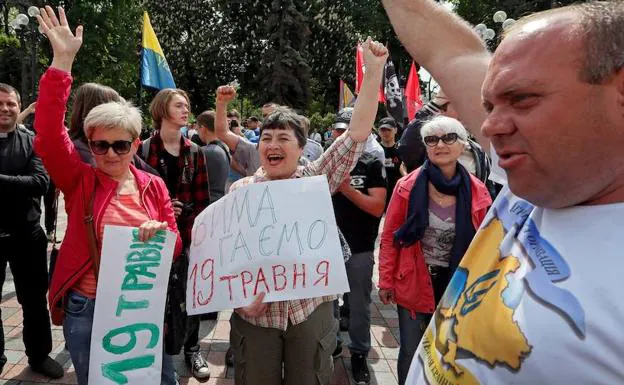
(537, 298)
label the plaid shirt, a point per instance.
(336, 163)
(192, 189)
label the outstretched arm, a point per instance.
(52, 143)
(449, 49)
(225, 94)
(365, 110)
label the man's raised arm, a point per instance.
(449, 49)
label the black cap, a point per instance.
(387, 123)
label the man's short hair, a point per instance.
(601, 26)
(158, 107)
(233, 114)
(114, 115)
(10, 89)
(207, 119)
(254, 119)
(283, 118)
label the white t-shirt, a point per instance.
(536, 300)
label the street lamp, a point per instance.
(489, 34)
(26, 31)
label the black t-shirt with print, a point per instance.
(360, 228)
(393, 168)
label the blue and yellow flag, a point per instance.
(155, 72)
(346, 98)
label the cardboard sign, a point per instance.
(277, 237)
(127, 334)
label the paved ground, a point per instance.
(214, 342)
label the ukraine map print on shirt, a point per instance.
(476, 320)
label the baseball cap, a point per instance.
(343, 119)
(387, 123)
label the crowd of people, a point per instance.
(485, 277)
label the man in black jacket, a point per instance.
(23, 243)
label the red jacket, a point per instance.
(404, 270)
(77, 181)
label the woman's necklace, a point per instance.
(438, 197)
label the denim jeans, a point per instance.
(358, 301)
(411, 332)
(77, 326)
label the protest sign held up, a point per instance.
(126, 342)
(261, 238)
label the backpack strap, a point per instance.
(145, 147)
(194, 159)
(224, 148)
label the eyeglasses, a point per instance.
(120, 147)
(433, 140)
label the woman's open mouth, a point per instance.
(275, 159)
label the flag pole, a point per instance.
(139, 83)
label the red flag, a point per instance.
(359, 74)
(359, 68)
(412, 93)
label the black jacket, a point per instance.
(411, 148)
(23, 181)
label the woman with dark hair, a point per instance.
(431, 219)
(87, 96)
(291, 342)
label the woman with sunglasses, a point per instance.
(113, 191)
(431, 219)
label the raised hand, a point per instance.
(225, 94)
(65, 44)
(375, 55)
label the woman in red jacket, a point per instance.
(432, 217)
(118, 192)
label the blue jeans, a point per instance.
(77, 331)
(358, 300)
(411, 332)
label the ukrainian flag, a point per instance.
(347, 99)
(155, 72)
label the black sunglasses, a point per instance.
(120, 147)
(433, 140)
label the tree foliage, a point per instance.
(288, 51)
(284, 73)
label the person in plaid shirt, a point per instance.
(182, 165)
(291, 342)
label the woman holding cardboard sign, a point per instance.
(114, 190)
(299, 335)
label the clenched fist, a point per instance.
(225, 94)
(375, 55)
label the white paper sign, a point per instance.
(277, 237)
(127, 333)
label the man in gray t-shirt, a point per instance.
(246, 155)
(216, 153)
